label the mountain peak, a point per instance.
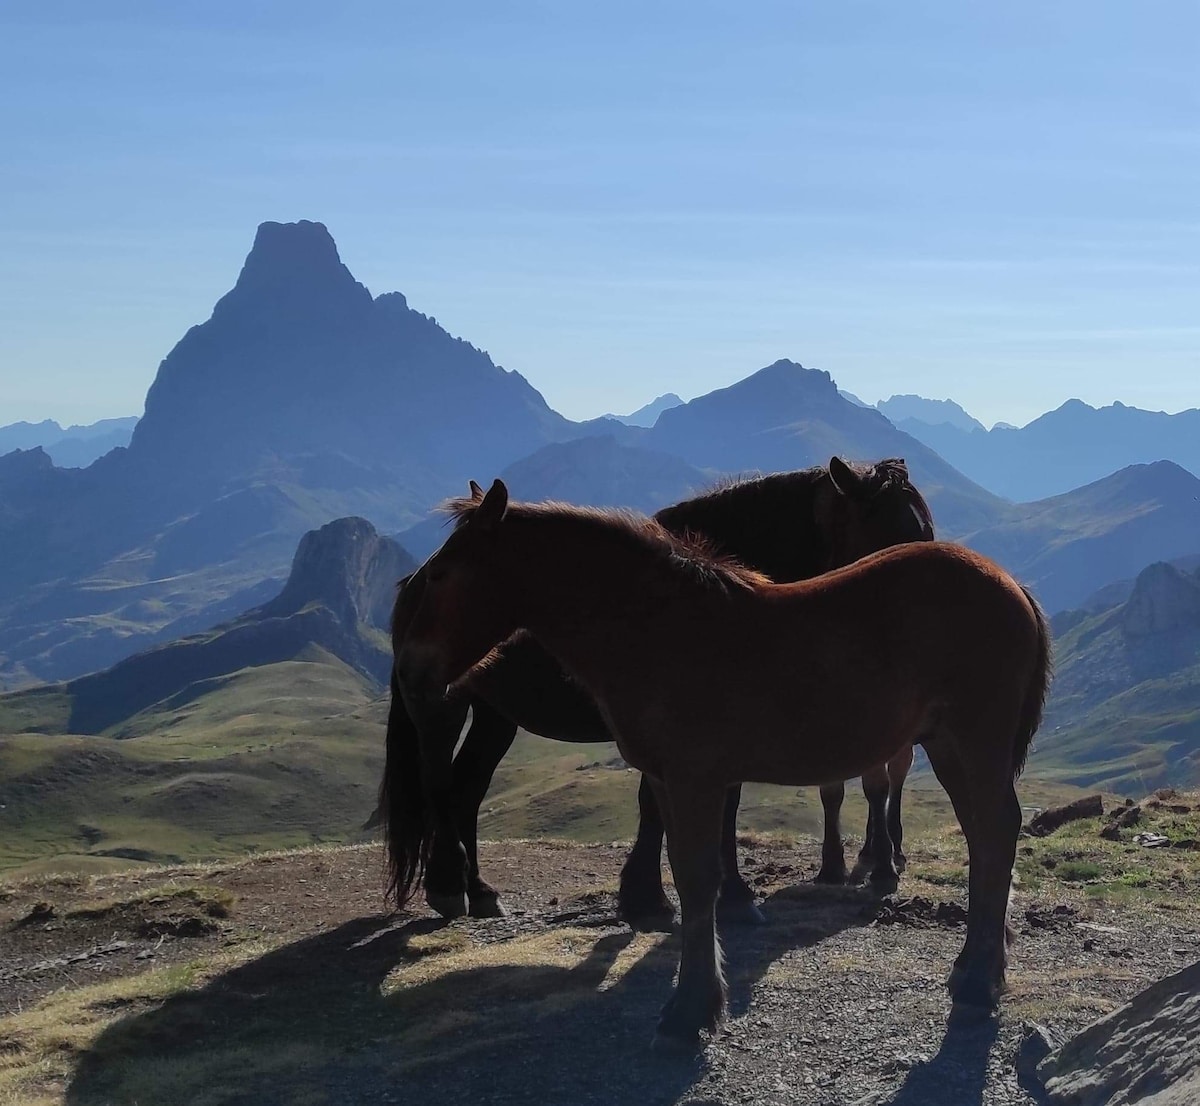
(282, 244)
(293, 267)
(347, 566)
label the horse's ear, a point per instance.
(476, 491)
(844, 478)
(492, 507)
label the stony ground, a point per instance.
(280, 981)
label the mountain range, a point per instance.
(70, 447)
(305, 398)
(197, 619)
(1072, 445)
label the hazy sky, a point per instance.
(998, 203)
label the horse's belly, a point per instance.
(799, 751)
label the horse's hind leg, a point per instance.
(897, 769)
(641, 902)
(694, 844)
(735, 904)
(877, 845)
(985, 801)
(489, 738)
(833, 855)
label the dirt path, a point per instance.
(297, 990)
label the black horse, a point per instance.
(790, 526)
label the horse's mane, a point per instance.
(690, 553)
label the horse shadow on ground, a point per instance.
(957, 1075)
(312, 1022)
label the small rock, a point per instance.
(1151, 840)
(1111, 832)
(1045, 823)
(1037, 1042)
(1130, 816)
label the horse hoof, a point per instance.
(885, 878)
(973, 993)
(835, 877)
(448, 906)
(488, 906)
(744, 913)
(901, 861)
(652, 921)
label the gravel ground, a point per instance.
(839, 999)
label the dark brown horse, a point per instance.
(789, 525)
(924, 643)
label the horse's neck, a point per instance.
(585, 596)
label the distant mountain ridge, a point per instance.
(901, 409)
(648, 414)
(786, 417)
(1068, 546)
(1073, 445)
(70, 447)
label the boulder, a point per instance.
(1145, 1053)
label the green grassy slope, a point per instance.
(284, 754)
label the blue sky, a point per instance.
(997, 203)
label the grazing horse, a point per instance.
(823, 679)
(789, 525)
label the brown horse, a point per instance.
(790, 525)
(823, 680)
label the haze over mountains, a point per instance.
(305, 398)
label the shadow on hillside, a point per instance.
(309, 1022)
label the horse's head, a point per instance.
(865, 508)
(458, 610)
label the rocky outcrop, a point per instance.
(1164, 599)
(1144, 1053)
(347, 567)
(336, 599)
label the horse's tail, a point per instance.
(402, 803)
(1035, 693)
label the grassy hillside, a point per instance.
(280, 755)
(290, 754)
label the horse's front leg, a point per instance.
(877, 843)
(735, 904)
(833, 854)
(641, 902)
(489, 738)
(898, 768)
(694, 826)
(439, 723)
